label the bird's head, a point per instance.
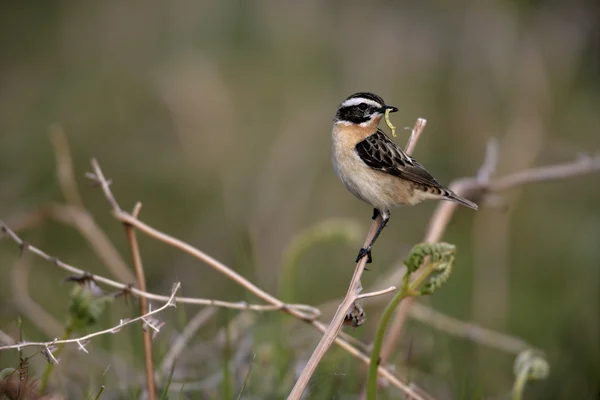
(362, 109)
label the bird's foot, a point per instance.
(375, 214)
(365, 252)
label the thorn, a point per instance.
(22, 247)
(125, 292)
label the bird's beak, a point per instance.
(391, 108)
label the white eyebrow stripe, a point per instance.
(358, 100)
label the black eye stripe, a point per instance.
(357, 113)
(362, 107)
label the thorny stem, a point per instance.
(50, 366)
(146, 334)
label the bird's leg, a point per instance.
(385, 217)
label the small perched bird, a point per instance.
(374, 168)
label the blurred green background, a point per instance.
(217, 116)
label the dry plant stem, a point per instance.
(377, 293)
(82, 341)
(141, 279)
(481, 186)
(414, 135)
(83, 222)
(336, 322)
(311, 312)
(469, 331)
(351, 295)
(216, 265)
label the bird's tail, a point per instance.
(450, 195)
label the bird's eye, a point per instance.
(362, 106)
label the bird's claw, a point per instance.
(364, 252)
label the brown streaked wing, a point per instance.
(380, 153)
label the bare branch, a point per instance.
(98, 177)
(415, 134)
(377, 293)
(309, 311)
(81, 340)
(468, 330)
(581, 166)
(276, 304)
(141, 279)
(84, 223)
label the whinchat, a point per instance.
(374, 168)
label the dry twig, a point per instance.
(141, 279)
(311, 312)
(468, 330)
(83, 340)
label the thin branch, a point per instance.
(377, 293)
(581, 166)
(335, 325)
(98, 177)
(81, 341)
(469, 330)
(415, 134)
(141, 279)
(478, 187)
(84, 223)
(276, 304)
(311, 312)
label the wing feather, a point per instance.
(380, 153)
